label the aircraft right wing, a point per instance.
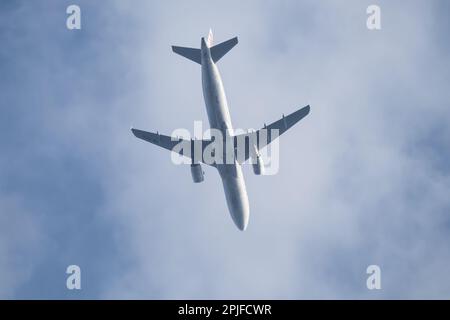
(261, 140)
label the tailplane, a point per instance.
(189, 53)
(217, 51)
(221, 49)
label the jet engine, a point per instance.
(258, 167)
(197, 173)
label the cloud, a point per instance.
(363, 179)
(21, 244)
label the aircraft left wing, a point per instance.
(185, 148)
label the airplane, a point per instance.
(219, 119)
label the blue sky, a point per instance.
(363, 180)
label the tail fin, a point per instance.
(210, 40)
(190, 53)
(218, 51)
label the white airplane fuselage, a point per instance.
(219, 118)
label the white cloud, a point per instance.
(347, 194)
(353, 188)
(21, 244)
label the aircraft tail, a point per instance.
(189, 53)
(217, 51)
(221, 49)
(210, 40)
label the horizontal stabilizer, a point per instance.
(218, 51)
(189, 53)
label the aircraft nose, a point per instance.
(242, 225)
(241, 215)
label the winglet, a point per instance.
(133, 130)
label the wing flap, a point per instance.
(189, 53)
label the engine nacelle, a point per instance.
(197, 173)
(258, 167)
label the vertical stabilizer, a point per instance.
(217, 51)
(210, 40)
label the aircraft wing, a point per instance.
(261, 139)
(183, 147)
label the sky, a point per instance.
(363, 180)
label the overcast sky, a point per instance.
(364, 179)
